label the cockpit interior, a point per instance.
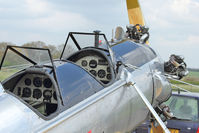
(39, 88)
(36, 89)
(95, 62)
(39, 91)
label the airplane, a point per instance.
(96, 86)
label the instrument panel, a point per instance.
(36, 88)
(97, 66)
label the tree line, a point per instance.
(54, 49)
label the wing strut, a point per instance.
(149, 106)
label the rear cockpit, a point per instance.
(95, 62)
(91, 52)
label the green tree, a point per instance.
(35, 44)
(54, 51)
(3, 46)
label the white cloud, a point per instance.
(174, 27)
(32, 20)
(51, 18)
(181, 6)
(188, 48)
(37, 6)
(170, 13)
(60, 21)
(42, 15)
(186, 10)
(173, 23)
(191, 41)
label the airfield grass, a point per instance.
(7, 73)
(192, 78)
(193, 74)
(187, 87)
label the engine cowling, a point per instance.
(162, 89)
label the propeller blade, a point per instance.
(134, 12)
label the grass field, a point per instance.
(193, 74)
(6, 74)
(187, 87)
(192, 78)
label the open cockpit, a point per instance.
(47, 86)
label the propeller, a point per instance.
(134, 12)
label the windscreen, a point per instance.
(18, 58)
(78, 41)
(85, 40)
(76, 84)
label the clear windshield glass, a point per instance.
(89, 40)
(83, 40)
(184, 107)
(69, 49)
(39, 56)
(18, 58)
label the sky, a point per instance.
(173, 23)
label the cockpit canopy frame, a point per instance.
(39, 57)
(24, 52)
(97, 40)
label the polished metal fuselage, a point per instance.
(115, 109)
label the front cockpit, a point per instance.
(36, 88)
